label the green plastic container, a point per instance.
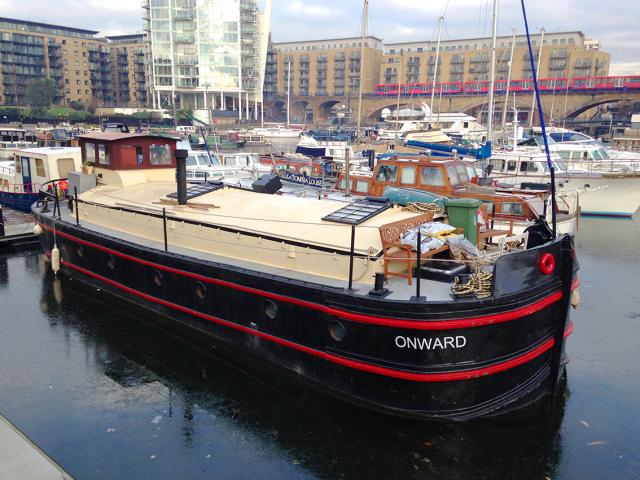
(463, 213)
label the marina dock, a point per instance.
(16, 230)
(20, 458)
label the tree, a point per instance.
(77, 105)
(40, 95)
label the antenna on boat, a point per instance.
(492, 71)
(435, 69)
(541, 115)
(506, 90)
(365, 27)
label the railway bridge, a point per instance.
(555, 105)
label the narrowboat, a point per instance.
(325, 291)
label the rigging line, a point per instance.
(541, 116)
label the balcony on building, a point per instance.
(183, 38)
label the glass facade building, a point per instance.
(205, 54)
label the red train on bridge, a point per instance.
(546, 85)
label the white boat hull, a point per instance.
(607, 196)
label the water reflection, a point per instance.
(214, 403)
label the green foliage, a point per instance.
(77, 105)
(141, 115)
(40, 95)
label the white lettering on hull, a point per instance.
(433, 343)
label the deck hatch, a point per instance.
(357, 212)
(200, 189)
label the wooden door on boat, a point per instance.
(128, 157)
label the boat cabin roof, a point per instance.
(116, 136)
(45, 151)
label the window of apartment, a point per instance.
(77, 82)
(65, 52)
(66, 80)
(64, 42)
(75, 43)
(75, 53)
(77, 63)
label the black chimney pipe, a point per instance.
(181, 175)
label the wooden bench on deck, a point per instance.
(488, 232)
(395, 251)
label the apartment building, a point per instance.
(129, 54)
(326, 67)
(564, 54)
(207, 55)
(83, 67)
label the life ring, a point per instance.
(547, 263)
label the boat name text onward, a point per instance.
(431, 343)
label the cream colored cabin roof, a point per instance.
(289, 218)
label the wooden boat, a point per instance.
(452, 177)
(296, 284)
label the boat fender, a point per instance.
(575, 299)
(55, 259)
(37, 229)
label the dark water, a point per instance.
(107, 396)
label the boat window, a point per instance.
(387, 173)
(511, 166)
(585, 155)
(596, 155)
(512, 208)
(214, 160)
(498, 165)
(408, 175)
(65, 165)
(565, 155)
(139, 156)
(341, 184)
(160, 154)
(529, 167)
(575, 155)
(431, 176)
(605, 154)
(18, 166)
(471, 172)
(462, 174)
(103, 155)
(39, 167)
(453, 176)
(90, 152)
(362, 186)
(191, 161)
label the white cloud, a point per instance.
(117, 5)
(628, 68)
(304, 9)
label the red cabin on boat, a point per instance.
(128, 151)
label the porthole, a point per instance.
(80, 251)
(157, 278)
(337, 331)
(111, 262)
(270, 309)
(201, 290)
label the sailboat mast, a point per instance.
(506, 91)
(435, 70)
(288, 89)
(492, 73)
(533, 99)
(365, 26)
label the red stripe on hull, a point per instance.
(366, 367)
(446, 324)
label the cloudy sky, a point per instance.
(393, 20)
